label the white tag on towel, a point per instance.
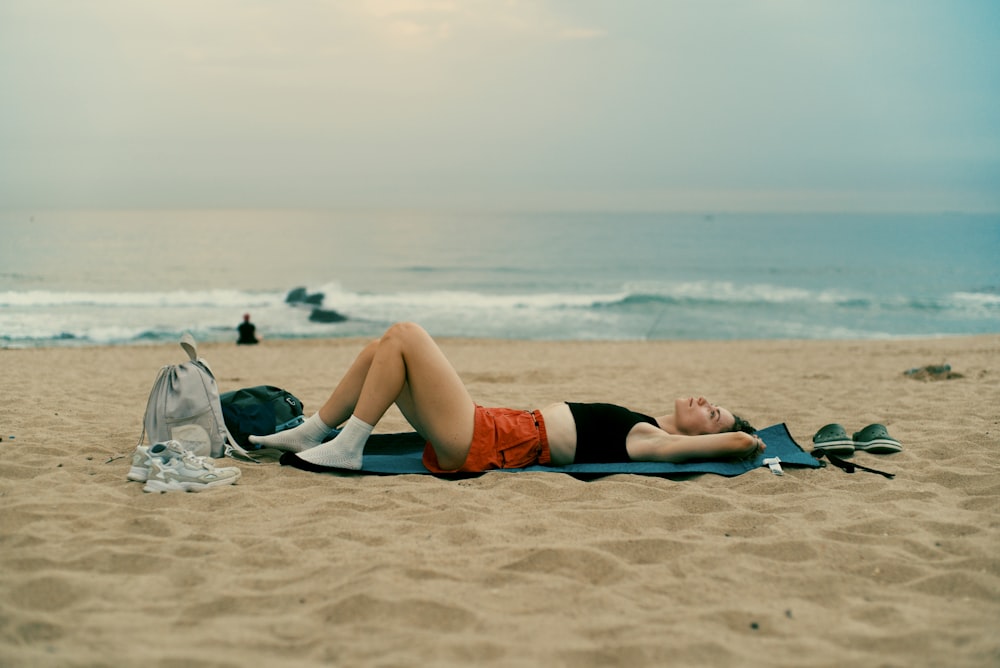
(775, 465)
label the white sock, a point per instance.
(307, 435)
(344, 451)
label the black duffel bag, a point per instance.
(260, 411)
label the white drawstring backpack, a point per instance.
(184, 406)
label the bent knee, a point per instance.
(404, 330)
(405, 326)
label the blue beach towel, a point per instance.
(393, 454)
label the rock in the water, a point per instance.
(302, 296)
(326, 315)
(296, 295)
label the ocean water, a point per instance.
(129, 277)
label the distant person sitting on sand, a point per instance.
(406, 367)
(248, 333)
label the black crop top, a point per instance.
(601, 430)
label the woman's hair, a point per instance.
(741, 425)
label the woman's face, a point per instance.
(694, 416)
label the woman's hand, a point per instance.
(755, 446)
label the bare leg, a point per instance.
(334, 412)
(344, 397)
(406, 367)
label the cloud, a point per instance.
(409, 23)
(582, 33)
(317, 102)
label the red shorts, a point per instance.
(503, 438)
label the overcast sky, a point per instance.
(708, 105)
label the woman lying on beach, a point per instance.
(406, 367)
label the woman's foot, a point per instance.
(307, 435)
(343, 452)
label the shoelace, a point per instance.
(195, 462)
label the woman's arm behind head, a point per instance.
(647, 443)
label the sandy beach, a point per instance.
(287, 568)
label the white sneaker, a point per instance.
(140, 464)
(143, 455)
(187, 473)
